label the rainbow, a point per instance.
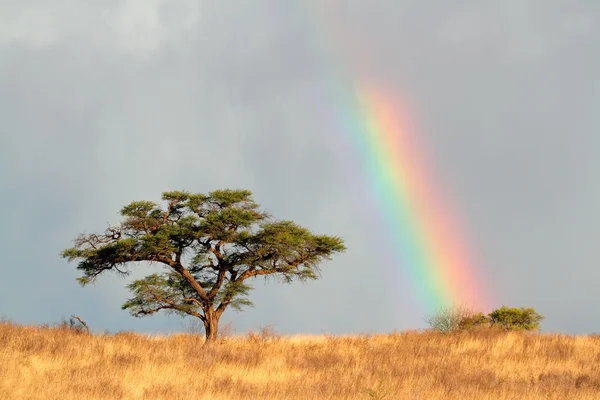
(422, 230)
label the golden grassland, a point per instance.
(59, 363)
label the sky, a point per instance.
(106, 102)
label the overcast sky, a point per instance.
(105, 102)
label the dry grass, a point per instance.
(58, 363)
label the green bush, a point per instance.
(516, 319)
(452, 319)
(475, 320)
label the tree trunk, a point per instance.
(211, 325)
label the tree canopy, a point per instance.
(210, 245)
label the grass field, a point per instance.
(59, 363)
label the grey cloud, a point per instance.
(131, 27)
(102, 103)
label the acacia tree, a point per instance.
(210, 246)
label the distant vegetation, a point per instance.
(516, 319)
(65, 363)
(453, 319)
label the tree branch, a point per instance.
(192, 300)
(224, 303)
(191, 280)
(174, 306)
(218, 283)
(82, 323)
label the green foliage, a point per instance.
(451, 319)
(474, 320)
(166, 291)
(210, 245)
(516, 319)
(238, 292)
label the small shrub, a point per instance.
(193, 326)
(265, 334)
(475, 321)
(451, 319)
(516, 319)
(226, 333)
(72, 325)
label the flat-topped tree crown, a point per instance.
(210, 245)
